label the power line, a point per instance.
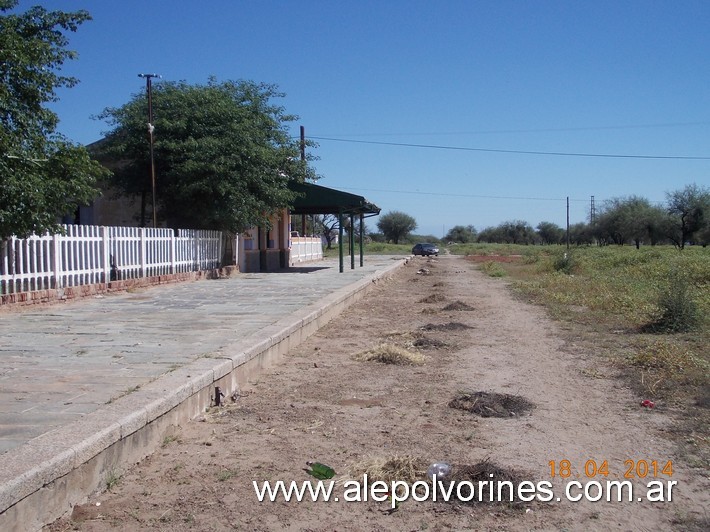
(530, 130)
(457, 195)
(520, 152)
(479, 196)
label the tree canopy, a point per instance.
(689, 211)
(396, 225)
(510, 232)
(43, 176)
(630, 219)
(223, 153)
(550, 233)
(461, 234)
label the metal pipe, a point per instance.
(218, 395)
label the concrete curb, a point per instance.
(43, 479)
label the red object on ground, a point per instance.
(647, 403)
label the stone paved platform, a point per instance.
(91, 386)
(61, 362)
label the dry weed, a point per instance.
(487, 404)
(433, 298)
(389, 468)
(391, 354)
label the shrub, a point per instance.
(531, 257)
(492, 269)
(564, 263)
(678, 310)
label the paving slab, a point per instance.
(63, 362)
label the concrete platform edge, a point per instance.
(42, 480)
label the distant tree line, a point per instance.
(684, 218)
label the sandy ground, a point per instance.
(322, 404)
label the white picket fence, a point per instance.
(305, 249)
(87, 254)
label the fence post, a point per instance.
(106, 255)
(57, 263)
(220, 236)
(4, 270)
(196, 244)
(173, 259)
(143, 252)
(13, 264)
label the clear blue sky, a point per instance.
(594, 77)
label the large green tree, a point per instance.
(632, 219)
(581, 234)
(43, 176)
(461, 234)
(223, 153)
(550, 233)
(511, 232)
(396, 225)
(518, 232)
(327, 225)
(689, 211)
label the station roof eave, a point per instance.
(317, 199)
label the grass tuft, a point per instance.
(665, 366)
(389, 468)
(225, 474)
(113, 476)
(391, 354)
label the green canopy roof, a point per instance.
(315, 199)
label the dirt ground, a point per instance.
(323, 403)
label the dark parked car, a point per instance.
(425, 250)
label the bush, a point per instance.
(678, 310)
(531, 256)
(493, 269)
(564, 263)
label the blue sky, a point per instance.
(586, 77)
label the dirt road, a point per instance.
(324, 403)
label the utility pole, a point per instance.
(303, 144)
(149, 90)
(592, 212)
(303, 159)
(567, 222)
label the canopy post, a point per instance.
(362, 238)
(340, 239)
(352, 241)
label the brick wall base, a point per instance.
(69, 293)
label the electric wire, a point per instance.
(519, 152)
(480, 196)
(457, 194)
(530, 130)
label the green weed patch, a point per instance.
(652, 302)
